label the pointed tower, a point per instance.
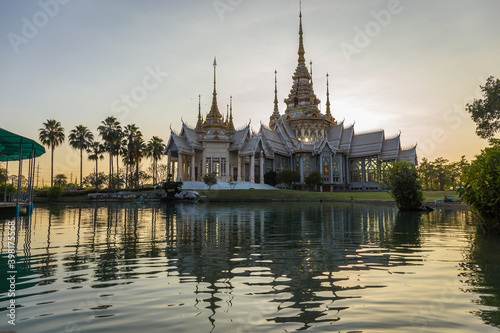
(214, 119)
(328, 111)
(273, 120)
(199, 124)
(328, 114)
(301, 98)
(230, 125)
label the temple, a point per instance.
(301, 139)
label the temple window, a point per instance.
(326, 167)
(307, 166)
(371, 169)
(335, 170)
(356, 170)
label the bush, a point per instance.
(314, 178)
(210, 179)
(270, 178)
(54, 193)
(480, 187)
(288, 177)
(10, 188)
(401, 179)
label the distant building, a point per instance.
(302, 139)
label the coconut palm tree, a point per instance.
(60, 180)
(95, 152)
(80, 138)
(154, 150)
(133, 148)
(109, 131)
(51, 135)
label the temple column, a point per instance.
(169, 163)
(261, 168)
(193, 176)
(239, 168)
(203, 164)
(180, 166)
(228, 170)
(252, 168)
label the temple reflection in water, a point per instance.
(251, 265)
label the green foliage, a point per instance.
(54, 193)
(232, 184)
(441, 174)
(10, 188)
(270, 178)
(95, 180)
(480, 186)
(60, 180)
(2, 174)
(210, 179)
(314, 178)
(288, 177)
(401, 179)
(486, 112)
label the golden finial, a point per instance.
(328, 112)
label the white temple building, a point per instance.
(301, 139)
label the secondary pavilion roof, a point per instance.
(10, 147)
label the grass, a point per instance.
(257, 195)
(263, 195)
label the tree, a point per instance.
(314, 179)
(210, 179)
(95, 179)
(288, 177)
(3, 175)
(486, 112)
(51, 135)
(95, 152)
(110, 132)
(401, 179)
(426, 172)
(480, 187)
(80, 138)
(442, 171)
(270, 178)
(60, 180)
(154, 150)
(133, 149)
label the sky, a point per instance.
(403, 66)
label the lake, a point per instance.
(248, 267)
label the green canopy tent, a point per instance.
(14, 147)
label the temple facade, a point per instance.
(302, 139)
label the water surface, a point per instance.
(273, 267)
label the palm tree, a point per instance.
(80, 138)
(60, 180)
(51, 135)
(133, 148)
(154, 150)
(109, 131)
(95, 152)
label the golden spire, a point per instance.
(301, 52)
(276, 109)
(230, 125)
(328, 112)
(214, 117)
(199, 124)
